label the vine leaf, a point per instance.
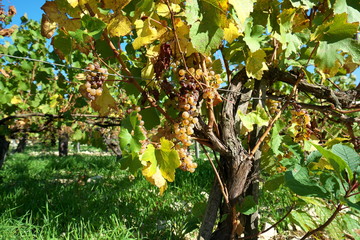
(119, 25)
(348, 154)
(131, 134)
(336, 38)
(47, 27)
(231, 32)
(248, 205)
(255, 64)
(104, 102)
(243, 10)
(258, 117)
(160, 163)
(131, 161)
(146, 33)
(299, 181)
(73, 3)
(337, 162)
(253, 36)
(163, 10)
(207, 22)
(352, 8)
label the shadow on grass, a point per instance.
(92, 190)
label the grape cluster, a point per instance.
(273, 106)
(301, 119)
(95, 78)
(187, 103)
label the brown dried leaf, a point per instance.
(6, 32)
(12, 11)
(47, 27)
(3, 72)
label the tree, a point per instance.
(258, 82)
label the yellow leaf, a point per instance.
(163, 10)
(16, 100)
(255, 64)
(119, 26)
(243, 9)
(158, 180)
(183, 34)
(148, 72)
(231, 32)
(146, 33)
(115, 4)
(104, 103)
(73, 3)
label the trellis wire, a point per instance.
(69, 66)
(81, 69)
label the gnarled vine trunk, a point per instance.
(4, 147)
(63, 144)
(237, 170)
(22, 144)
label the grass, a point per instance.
(90, 197)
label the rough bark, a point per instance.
(4, 147)
(341, 99)
(211, 211)
(252, 221)
(235, 165)
(22, 144)
(63, 144)
(113, 144)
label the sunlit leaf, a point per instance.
(256, 64)
(104, 103)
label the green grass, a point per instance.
(47, 197)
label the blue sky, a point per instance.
(33, 11)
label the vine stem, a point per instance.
(271, 124)
(127, 71)
(224, 191)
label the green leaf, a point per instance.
(352, 8)
(192, 11)
(243, 9)
(276, 139)
(78, 135)
(355, 206)
(62, 43)
(131, 134)
(151, 117)
(248, 205)
(258, 117)
(256, 64)
(274, 183)
(254, 35)
(348, 154)
(165, 158)
(207, 32)
(303, 220)
(304, 3)
(299, 181)
(339, 164)
(336, 30)
(168, 159)
(131, 161)
(93, 25)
